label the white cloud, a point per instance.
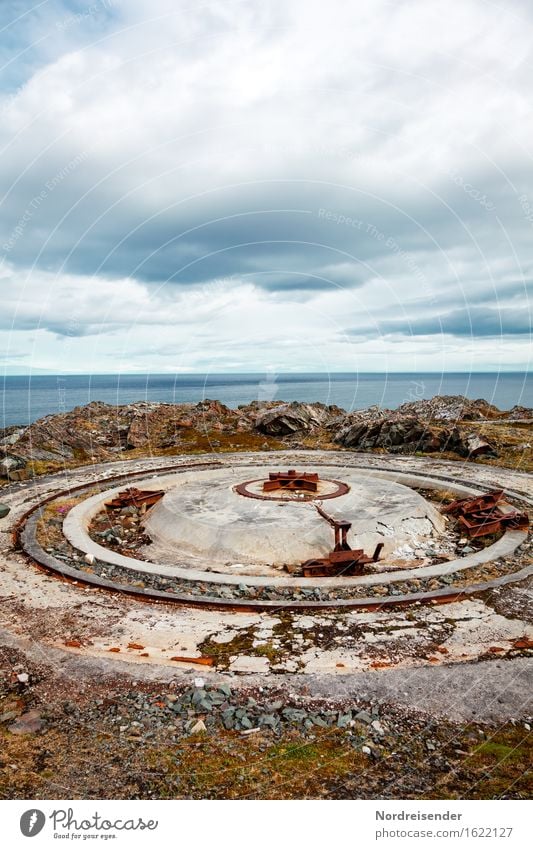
(211, 136)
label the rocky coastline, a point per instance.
(451, 425)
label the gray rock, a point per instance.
(363, 716)
(28, 723)
(475, 446)
(9, 464)
(198, 696)
(286, 419)
(8, 716)
(4, 510)
(15, 436)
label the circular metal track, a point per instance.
(25, 537)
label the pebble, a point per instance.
(8, 716)
(198, 727)
(28, 723)
(23, 677)
(363, 716)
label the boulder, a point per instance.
(19, 475)
(286, 419)
(10, 464)
(519, 413)
(12, 435)
(475, 446)
(398, 435)
(450, 408)
(351, 435)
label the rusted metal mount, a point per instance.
(463, 506)
(292, 480)
(244, 489)
(482, 516)
(342, 560)
(133, 497)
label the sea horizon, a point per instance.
(26, 398)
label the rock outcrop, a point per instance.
(448, 408)
(99, 432)
(399, 435)
(408, 434)
(518, 413)
(161, 425)
(286, 419)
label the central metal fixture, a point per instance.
(291, 480)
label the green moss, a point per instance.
(497, 751)
(241, 644)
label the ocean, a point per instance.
(25, 399)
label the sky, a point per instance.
(248, 186)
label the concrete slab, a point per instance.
(202, 515)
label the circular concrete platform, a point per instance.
(190, 583)
(203, 517)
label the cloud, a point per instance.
(209, 142)
(472, 322)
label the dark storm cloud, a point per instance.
(467, 322)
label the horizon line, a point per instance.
(50, 373)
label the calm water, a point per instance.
(25, 399)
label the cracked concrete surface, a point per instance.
(460, 659)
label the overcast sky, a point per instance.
(294, 185)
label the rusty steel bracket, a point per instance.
(291, 480)
(464, 506)
(343, 559)
(133, 497)
(482, 516)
